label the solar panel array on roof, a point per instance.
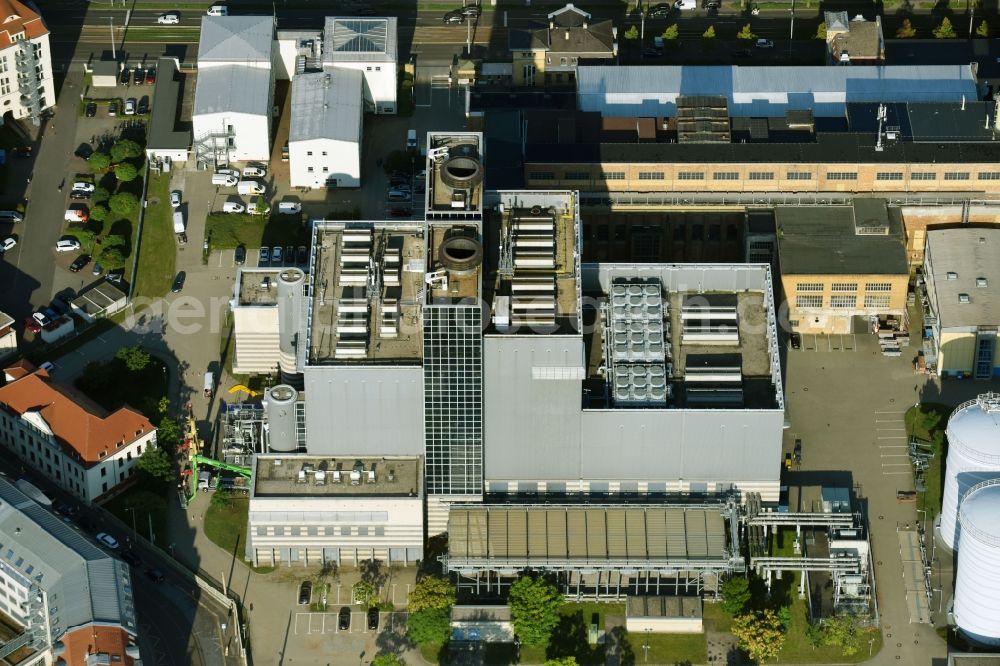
(585, 534)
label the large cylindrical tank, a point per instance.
(279, 404)
(290, 283)
(977, 584)
(973, 456)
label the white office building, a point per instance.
(368, 45)
(324, 137)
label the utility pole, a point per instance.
(111, 23)
(972, 13)
(791, 28)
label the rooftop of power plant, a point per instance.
(655, 339)
(257, 286)
(368, 279)
(454, 175)
(346, 476)
(535, 263)
(456, 261)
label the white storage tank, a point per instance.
(279, 405)
(977, 584)
(973, 456)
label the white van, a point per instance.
(254, 171)
(224, 179)
(289, 207)
(178, 222)
(411, 139)
(250, 187)
(76, 215)
(10, 216)
(218, 10)
(233, 207)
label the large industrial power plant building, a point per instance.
(478, 345)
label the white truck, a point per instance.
(178, 222)
(250, 187)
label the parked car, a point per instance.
(454, 17)
(143, 107)
(86, 523)
(123, 77)
(471, 11)
(107, 540)
(115, 276)
(175, 199)
(23, 151)
(8, 244)
(11, 216)
(83, 186)
(652, 52)
(113, 109)
(660, 11)
(96, 270)
(139, 75)
(264, 256)
(372, 619)
(67, 245)
(155, 575)
(91, 109)
(84, 150)
(32, 325)
(254, 171)
(129, 109)
(240, 256)
(79, 263)
(150, 76)
(217, 10)
(289, 207)
(276, 254)
(302, 256)
(796, 340)
(178, 282)
(233, 207)
(305, 592)
(47, 366)
(764, 44)
(130, 557)
(344, 619)
(40, 317)
(169, 18)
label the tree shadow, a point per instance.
(570, 639)
(374, 572)
(619, 650)
(430, 565)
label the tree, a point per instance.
(125, 172)
(760, 634)
(100, 195)
(632, 33)
(534, 609)
(113, 240)
(930, 419)
(561, 661)
(364, 593)
(431, 592)
(431, 625)
(99, 161)
(112, 257)
(154, 463)
(944, 31)
(736, 595)
(124, 203)
(99, 212)
(135, 357)
(745, 33)
(387, 659)
(86, 238)
(168, 433)
(844, 631)
(906, 30)
(671, 33)
(983, 30)
(821, 31)
(124, 150)
(710, 33)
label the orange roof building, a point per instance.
(24, 50)
(66, 436)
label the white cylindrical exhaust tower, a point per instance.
(279, 404)
(973, 456)
(290, 282)
(977, 584)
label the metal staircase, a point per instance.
(211, 149)
(28, 80)
(35, 634)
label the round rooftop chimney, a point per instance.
(461, 253)
(462, 172)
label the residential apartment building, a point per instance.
(961, 269)
(26, 86)
(64, 599)
(548, 55)
(841, 266)
(68, 438)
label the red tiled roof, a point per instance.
(21, 368)
(16, 18)
(96, 639)
(78, 424)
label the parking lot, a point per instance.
(309, 624)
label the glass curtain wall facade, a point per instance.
(453, 399)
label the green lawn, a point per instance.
(147, 507)
(157, 245)
(227, 230)
(916, 427)
(716, 618)
(226, 524)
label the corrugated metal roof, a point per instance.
(766, 91)
(236, 39)
(232, 89)
(359, 39)
(587, 534)
(327, 105)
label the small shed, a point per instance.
(664, 615)
(101, 300)
(488, 624)
(104, 73)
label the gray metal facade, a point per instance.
(453, 399)
(365, 410)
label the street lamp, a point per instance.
(646, 646)
(111, 24)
